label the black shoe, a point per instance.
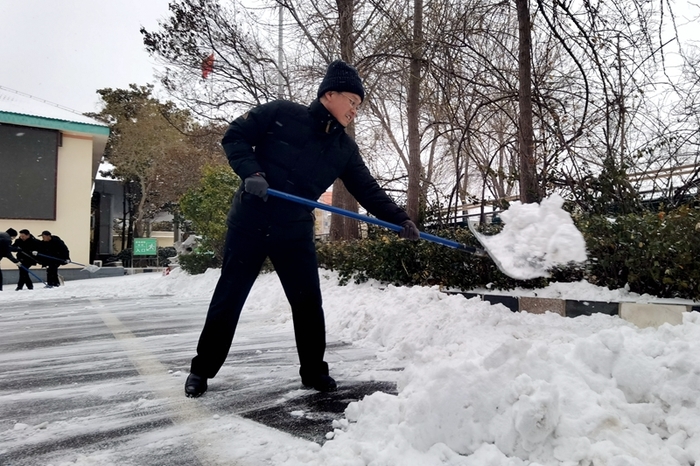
(322, 383)
(195, 386)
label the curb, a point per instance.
(641, 314)
(11, 276)
(135, 270)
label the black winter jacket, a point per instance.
(6, 246)
(56, 249)
(302, 151)
(24, 250)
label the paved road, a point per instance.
(101, 381)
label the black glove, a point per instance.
(257, 184)
(14, 260)
(409, 231)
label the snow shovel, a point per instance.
(548, 239)
(364, 218)
(89, 268)
(33, 275)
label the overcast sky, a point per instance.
(63, 51)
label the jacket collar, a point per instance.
(326, 122)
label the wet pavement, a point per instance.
(101, 381)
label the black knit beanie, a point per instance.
(341, 77)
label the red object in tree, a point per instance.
(207, 65)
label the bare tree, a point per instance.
(529, 188)
(343, 228)
(448, 109)
(413, 200)
(244, 68)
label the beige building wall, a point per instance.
(166, 239)
(322, 225)
(74, 185)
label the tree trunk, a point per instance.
(529, 188)
(343, 228)
(138, 222)
(413, 105)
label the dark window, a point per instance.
(28, 158)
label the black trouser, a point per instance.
(52, 274)
(297, 268)
(24, 278)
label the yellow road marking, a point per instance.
(183, 410)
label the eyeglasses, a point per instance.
(355, 105)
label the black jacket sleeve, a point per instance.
(369, 194)
(243, 134)
(63, 252)
(5, 246)
(56, 250)
(24, 251)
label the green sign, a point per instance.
(145, 247)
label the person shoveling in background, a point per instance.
(6, 238)
(24, 245)
(53, 253)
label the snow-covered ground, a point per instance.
(480, 385)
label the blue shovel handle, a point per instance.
(376, 221)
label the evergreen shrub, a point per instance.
(206, 206)
(198, 262)
(125, 257)
(387, 258)
(164, 255)
(654, 252)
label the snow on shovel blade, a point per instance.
(535, 238)
(91, 268)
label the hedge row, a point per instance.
(656, 253)
(387, 258)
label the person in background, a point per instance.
(54, 254)
(6, 238)
(24, 245)
(299, 150)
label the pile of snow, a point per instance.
(486, 386)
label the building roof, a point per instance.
(21, 109)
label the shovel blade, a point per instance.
(520, 264)
(536, 238)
